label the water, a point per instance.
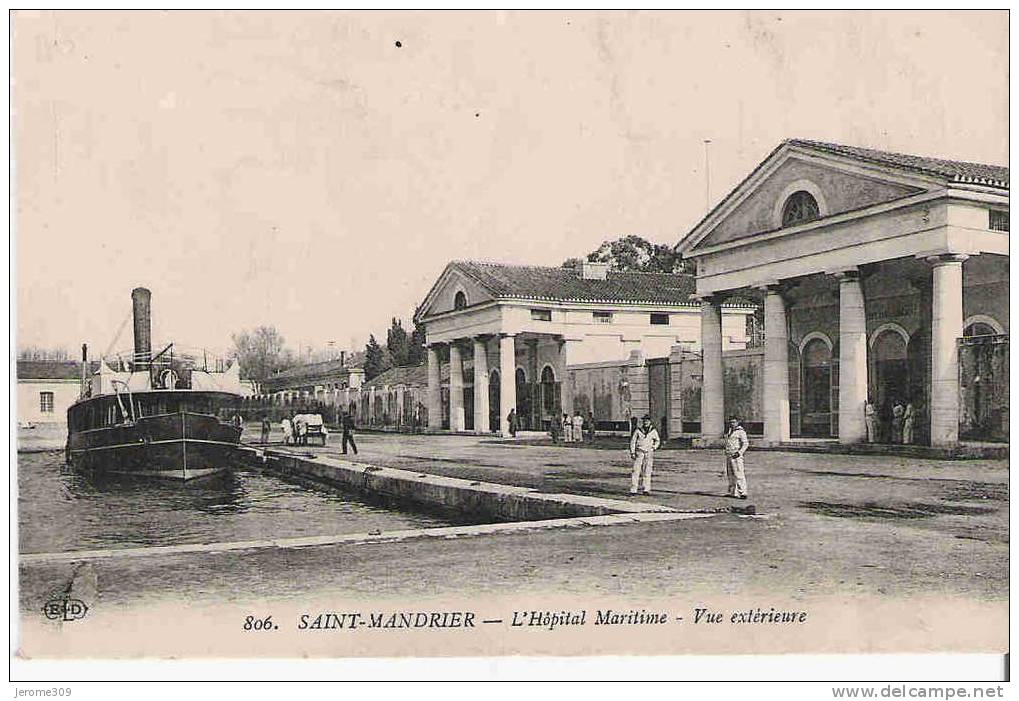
(60, 510)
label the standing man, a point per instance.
(589, 423)
(567, 428)
(512, 421)
(736, 443)
(898, 411)
(348, 433)
(870, 419)
(908, 420)
(643, 444)
(266, 427)
(578, 427)
(288, 429)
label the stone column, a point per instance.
(676, 355)
(946, 328)
(480, 385)
(639, 384)
(456, 388)
(776, 367)
(852, 358)
(400, 419)
(712, 387)
(507, 380)
(434, 388)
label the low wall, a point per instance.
(669, 389)
(491, 501)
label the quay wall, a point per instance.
(484, 500)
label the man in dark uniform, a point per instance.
(348, 433)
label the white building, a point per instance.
(886, 280)
(46, 388)
(509, 332)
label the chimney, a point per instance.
(593, 271)
(142, 300)
(343, 359)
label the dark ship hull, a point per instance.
(179, 445)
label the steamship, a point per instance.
(164, 415)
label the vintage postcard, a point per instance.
(386, 334)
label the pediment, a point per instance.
(442, 297)
(839, 186)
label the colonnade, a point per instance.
(946, 328)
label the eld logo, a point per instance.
(65, 609)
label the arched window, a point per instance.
(800, 208)
(979, 328)
(460, 300)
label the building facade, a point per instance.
(508, 334)
(323, 382)
(886, 281)
(46, 388)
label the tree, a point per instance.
(261, 352)
(40, 353)
(375, 360)
(634, 254)
(416, 353)
(397, 343)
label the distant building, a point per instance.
(510, 332)
(312, 382)
(46, 388)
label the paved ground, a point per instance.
(853, 523)
(838, 529)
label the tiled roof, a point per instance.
(51, 369)
(309, 373)
(566, 285)
(409, 375)
(954, 171)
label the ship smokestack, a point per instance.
(84, 366)
(142, 300)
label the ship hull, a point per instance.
(179, 446)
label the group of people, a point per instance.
(644, 441)
(295, 430)
(896, 428)
(573, 429)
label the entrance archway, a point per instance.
(523, 400)
(816, 412)
(891, 377)
(494, 395)
(551, 405)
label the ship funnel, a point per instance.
(142, 300)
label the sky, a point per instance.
(316, 171)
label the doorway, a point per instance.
(551, 406)
(891, 378)
(816, 413)
(494, 399)
(523, 400)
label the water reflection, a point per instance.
(60, 509)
